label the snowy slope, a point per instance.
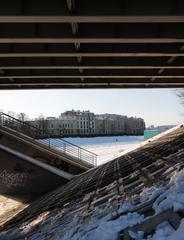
(49, 225)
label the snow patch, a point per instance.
(174, 196)
(108, 148)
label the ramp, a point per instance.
(31, 168)
(22, 176)
(27, 134)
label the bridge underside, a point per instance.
(91, 44)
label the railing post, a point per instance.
(64, 147)
(80, 154)
(95, 160)
(1, 119)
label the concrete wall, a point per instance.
(40, 152)
(19, 178)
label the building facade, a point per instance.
(113, 124)
(110, 124)
(86, 123)
(81, 123)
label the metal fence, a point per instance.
(42, 136)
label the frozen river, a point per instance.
(107, 148)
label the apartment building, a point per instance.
(80, 123)
(134, 126)
(110, 124)
(114, 124)
(86, 123)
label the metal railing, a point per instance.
(42, 136)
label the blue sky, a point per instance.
(156, 106)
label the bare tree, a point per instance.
(180, 94)
(12, 114)
(43, 123)
(23, 117)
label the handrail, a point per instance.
(42, 136)
(18, 120)
(25, 123)
(77, 146)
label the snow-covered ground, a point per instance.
(48, 225)
(9, 207)
(107, 148)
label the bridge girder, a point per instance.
(91, 44)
